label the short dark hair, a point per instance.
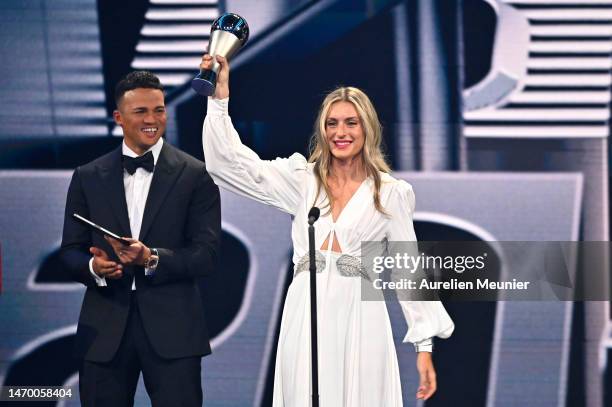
(135, 80)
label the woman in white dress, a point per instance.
(347, 176)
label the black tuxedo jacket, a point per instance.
(182, 219)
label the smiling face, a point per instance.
(343, 131)
(141, 113)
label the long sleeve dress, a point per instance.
(357, 359)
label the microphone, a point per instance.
(313, 215)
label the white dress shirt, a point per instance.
(136, 192)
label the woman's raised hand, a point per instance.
(222, 86)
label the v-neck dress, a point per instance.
(357, 360)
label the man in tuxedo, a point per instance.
(142, 310)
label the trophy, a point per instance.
(228, 34)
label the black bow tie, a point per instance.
(144, 161)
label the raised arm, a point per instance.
(236, 167)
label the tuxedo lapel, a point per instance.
(111, 174)
(167, 169)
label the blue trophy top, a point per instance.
(233, 23)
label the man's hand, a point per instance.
(104, 267)
(427, 376)
(222, 86)
(134, 254)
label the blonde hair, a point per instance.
(372, 155)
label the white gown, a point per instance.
(357, 359)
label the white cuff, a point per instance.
(217, 106)
(100, 281)
(426, 345)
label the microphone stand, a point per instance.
(313, 215)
